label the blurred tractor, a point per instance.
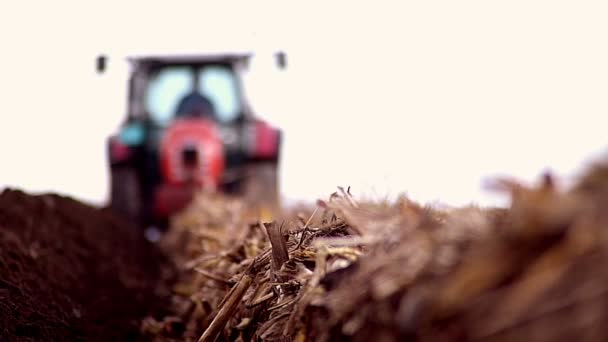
(188, 128)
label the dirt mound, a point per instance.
(72, 272)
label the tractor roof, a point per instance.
(191, 58)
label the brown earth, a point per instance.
(71, 272)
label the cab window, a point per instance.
(167, 86)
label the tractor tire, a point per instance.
(261, 188)
(125, 193)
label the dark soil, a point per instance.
(71, 272)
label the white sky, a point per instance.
(427, 97)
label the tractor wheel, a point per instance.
(125, 195)
(261, 187)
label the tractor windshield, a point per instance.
(170, 84)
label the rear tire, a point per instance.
(125, 193)
(261, 188)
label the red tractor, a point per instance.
(189, 127)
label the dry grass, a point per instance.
(396, 271)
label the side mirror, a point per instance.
(100, 64)
(281, 59)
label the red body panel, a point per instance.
(181, 179)
(200, 135)
(266, 140)
(262, 141)
(119, 152)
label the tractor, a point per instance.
(189, 127)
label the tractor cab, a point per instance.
(189, 127)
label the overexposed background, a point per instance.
(428, 97)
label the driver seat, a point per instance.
(195, 105)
